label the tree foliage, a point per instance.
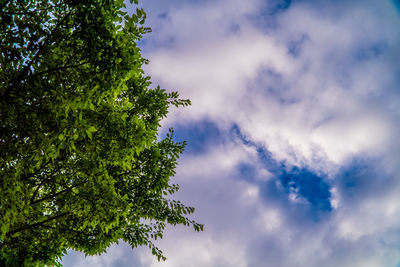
(81, 165)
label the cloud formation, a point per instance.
(293, 155)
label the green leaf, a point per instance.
(89, 134)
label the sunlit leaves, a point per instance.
(81, 165)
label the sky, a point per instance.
(293, 155)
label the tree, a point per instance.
(81, 162)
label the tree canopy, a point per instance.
(81, 162)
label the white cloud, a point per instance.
(323, 116)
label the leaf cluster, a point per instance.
(80, 163)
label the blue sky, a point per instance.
(293, 149)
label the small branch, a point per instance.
(32, 202)
(37, 224)
(57, 69)
(68, 229)
(25, 177)
(41, 183)
(36, 191)
(51, 196)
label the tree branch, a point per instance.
(32, 202)
(37, 224)
(57, 69)
(25, 177)
(41, 183)
(68, 229)
(51, 196)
